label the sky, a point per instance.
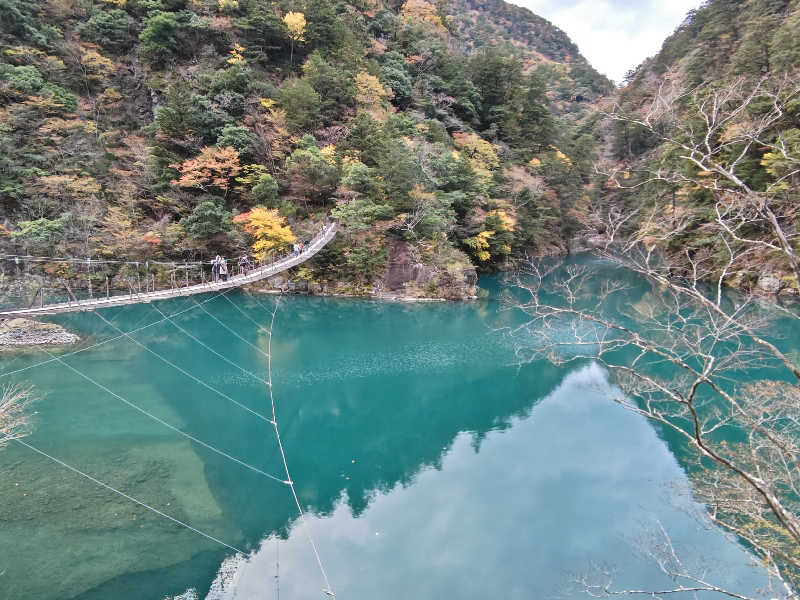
(614, 35)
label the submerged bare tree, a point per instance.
(681, 352)
(14, 414)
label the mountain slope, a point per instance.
(706, 134)
(443, 136)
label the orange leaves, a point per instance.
(213, 167)
(152, 238)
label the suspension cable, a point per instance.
(126, 496)
(210, 349)
(327, 590)
(115, 338)
(248, 342)
(184, 371)
(164, 423)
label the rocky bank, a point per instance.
(24, 332)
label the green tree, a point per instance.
(333, 84)
(239, 137)
(311, 174)
(785, 44)
(42, 234)
(266, 189)
(113, 29)
(265, 34)
(302, 104)
(208, 219)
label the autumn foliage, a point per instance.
(213, 168)
(267, 228)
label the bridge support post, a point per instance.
(108, 295)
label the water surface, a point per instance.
(431, 464)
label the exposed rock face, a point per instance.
(442, 277)
(24, 332)
(769, 283)
(587, 243)
(407, 277)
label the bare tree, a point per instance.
(14, 414)
(681, 352)
(713, 130)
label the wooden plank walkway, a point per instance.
(327, 233)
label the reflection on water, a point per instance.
(431, 465)
(564, 487)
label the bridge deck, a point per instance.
(320, 241)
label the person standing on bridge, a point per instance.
(223, 269)
(215, 269)
(244, 264)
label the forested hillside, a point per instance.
(704, 147)
(442, 136)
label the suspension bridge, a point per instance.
(232, 563)
(325, 235)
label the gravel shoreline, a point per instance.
(25, 332)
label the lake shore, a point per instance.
(17, 333)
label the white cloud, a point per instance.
(614, 35)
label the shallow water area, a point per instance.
(428, 461)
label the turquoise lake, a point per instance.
(429, 462)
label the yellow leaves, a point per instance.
(769, 161)
(110, 95)
(251, 174)
(561, 156)
(268, 228)
(44, 105)
(421, 12)
(479, 245)
(236, 57)
(369, 90)
(83, 186)
(25, 55)
(67, 185)
(96, 66)
(480, 153)
(535, 162)
(296, 25)
(119, 3)
(214, 167)
(506, 220)
(226, 6)
(329, 153)
(60, 126)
